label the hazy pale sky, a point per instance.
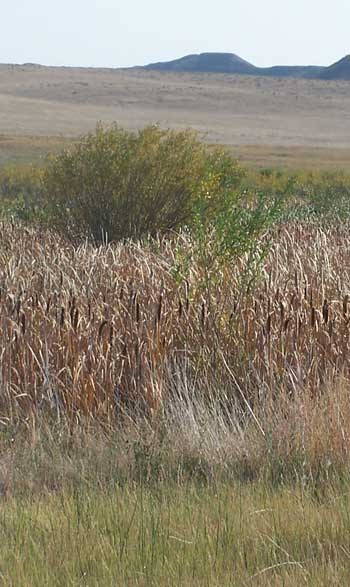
(117, 33)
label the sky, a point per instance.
(123, 33)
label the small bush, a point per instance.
(116, 184)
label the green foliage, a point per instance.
(21, 192)
(238, 224)
(241, 218)
(116, 184)
(306, 195)
(325, 196)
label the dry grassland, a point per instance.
(287, 122)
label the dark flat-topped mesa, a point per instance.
(233, 64)
(207, 62)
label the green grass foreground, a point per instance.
(90, 508)
(176, 535)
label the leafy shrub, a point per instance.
(116, 184)
(240, 219)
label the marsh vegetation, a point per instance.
(174, 396)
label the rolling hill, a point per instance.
(231, 63)
(339, 70)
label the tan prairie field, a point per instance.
(285, 122)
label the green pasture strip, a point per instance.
(292, 158)
(25, 150)
(176, 535)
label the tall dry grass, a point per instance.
(239, 368)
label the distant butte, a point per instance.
(233, 64)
